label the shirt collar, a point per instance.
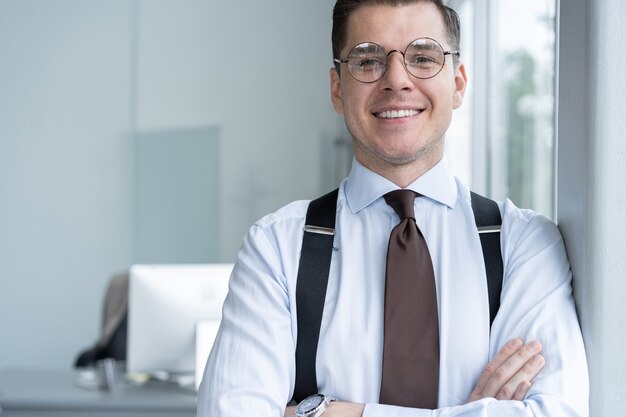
(364, 186)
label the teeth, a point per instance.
(396, 114)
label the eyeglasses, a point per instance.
(423, 58)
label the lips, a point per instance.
(397, 114)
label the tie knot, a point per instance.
(401, 201)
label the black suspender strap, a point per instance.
(317, 248)
(315, 257)
(488, 222)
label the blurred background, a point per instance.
(158, 131)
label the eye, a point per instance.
(369, 63)
(422, 61)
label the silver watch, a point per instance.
(313, 406)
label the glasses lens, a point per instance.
(424, 58)
(367, 62)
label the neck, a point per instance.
(400, 174)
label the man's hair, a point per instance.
(345, 8)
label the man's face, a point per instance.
(414, 136)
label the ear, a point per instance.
(460, 82)
(335, 91)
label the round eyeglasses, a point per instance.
(423, 58)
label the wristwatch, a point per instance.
(313, 406)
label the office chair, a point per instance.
(112, 342)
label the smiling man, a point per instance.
(396, 120)
(406, 327)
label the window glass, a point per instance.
(459, 142)
(523, 104)
(501, 141)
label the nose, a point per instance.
(396, 77)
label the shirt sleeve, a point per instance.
(536, 304)
(250, 370)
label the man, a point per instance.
(396, 81)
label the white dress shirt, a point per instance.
(251, 369)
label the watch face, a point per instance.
(310, 403)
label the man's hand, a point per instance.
(508, 376)
(335, 408)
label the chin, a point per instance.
(424, 154)
(398, 158)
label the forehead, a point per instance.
(394, 27)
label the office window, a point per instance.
(504, 137)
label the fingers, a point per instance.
(502, 356)
(522, 390)
(518, 367)
(508, 376)
(514, 389)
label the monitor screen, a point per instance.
(166, 302)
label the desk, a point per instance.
(52, 393)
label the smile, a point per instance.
(397, 114)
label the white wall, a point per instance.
(591, 191)
(259, 69)
(65, 172)
(81, 80)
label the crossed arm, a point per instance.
(507, 377)
(247, 372)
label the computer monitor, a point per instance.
(165, 304)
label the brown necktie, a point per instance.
(410, 374)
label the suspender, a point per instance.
(488, 221)
(317, 249)
(314, 267)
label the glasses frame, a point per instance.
(448, 52)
